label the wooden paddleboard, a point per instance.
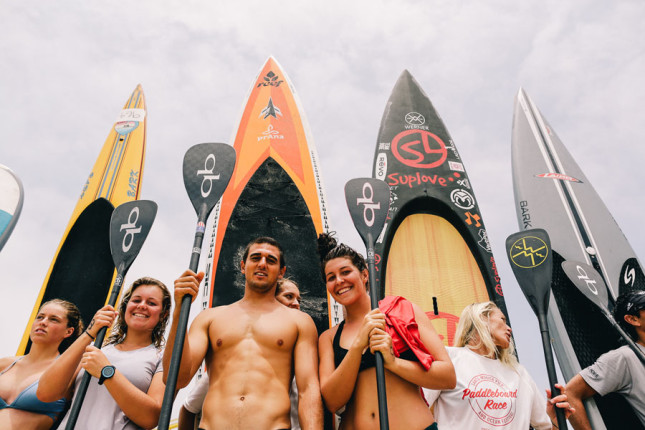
(11, 198)
(552, 192)
(434, 246)
(82, 269)
(275, 191)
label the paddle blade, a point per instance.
(368, 201)
(129, 228)
(207, 170)
(588, 281)
(529, 253)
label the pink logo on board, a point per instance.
(491, 400)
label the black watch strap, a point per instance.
(106, 373)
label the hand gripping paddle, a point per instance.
(129, 228)
(529, 253)
(368, 201)
(207, 170)
(591, 284)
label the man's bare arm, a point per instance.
(305, 358)
(577, 391)
(196, 342)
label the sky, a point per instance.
(67, 68)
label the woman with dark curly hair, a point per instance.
(57, 324)
(127, 389)
(413, 354)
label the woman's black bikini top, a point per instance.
(368, 360)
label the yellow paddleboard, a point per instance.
(82, 269)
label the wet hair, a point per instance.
(630, 303)
(74, 321)
(281, 282)
(120, 329)
(265, 239)
(473, 333)
(329, 248)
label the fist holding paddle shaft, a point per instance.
(188, 283)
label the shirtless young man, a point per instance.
(249, 347)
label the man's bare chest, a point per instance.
(269, 332)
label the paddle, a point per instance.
(529, 253)
(591, 284)
(368, 201)
(129, 227)
(207, 170)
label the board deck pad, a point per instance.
(275, 191)
(552, 192)
(434, 246)
(83, 256)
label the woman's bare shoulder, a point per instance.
(6, 362)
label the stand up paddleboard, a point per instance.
(275, 191)
(552, 193)
(434, 249)
(82, 269)
(11, 197)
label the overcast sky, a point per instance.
(67, 68)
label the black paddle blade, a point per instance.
(589, 282)
(207, 169)
(129, 228)
(368, 201)
(529, 253)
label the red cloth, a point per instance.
(402, 326)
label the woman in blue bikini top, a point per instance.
(57, 324)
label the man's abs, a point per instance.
(261, 408)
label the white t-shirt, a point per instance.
(100, 411)
(489, 396)
(622, 372)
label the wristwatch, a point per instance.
(106, 373)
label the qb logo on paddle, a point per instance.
(591, 283)
(369, 205)
(130, 229)
(209, 176)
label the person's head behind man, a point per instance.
(263, 264)
(288, 293)
(630, 312)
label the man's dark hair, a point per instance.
(268, 240)
(630, 303)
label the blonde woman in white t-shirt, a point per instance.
(493, 390)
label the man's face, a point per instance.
(262, 267)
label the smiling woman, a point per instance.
(127, 389)
(413, 354)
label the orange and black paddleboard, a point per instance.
(276, 190)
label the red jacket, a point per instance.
(402, 326)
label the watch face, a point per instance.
(107, 372)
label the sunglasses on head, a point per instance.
(637, 303)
